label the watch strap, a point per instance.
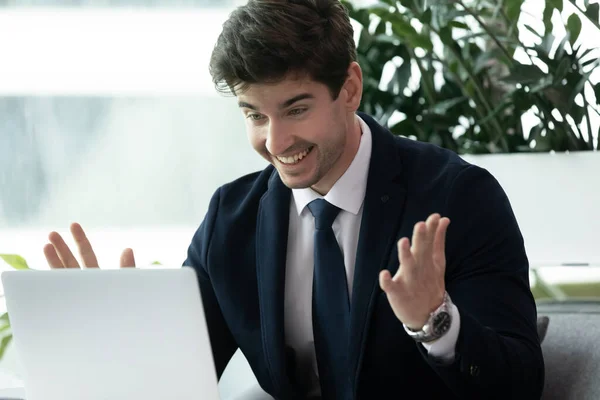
(437, 325)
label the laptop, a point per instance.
(128, 334)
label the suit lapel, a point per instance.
(271, 251)
(382, 210)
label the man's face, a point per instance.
(297, 126)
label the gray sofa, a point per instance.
(571, 348)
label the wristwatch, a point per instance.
(437, 325)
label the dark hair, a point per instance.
(265, 41)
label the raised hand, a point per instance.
(418, 287)
(59, 255)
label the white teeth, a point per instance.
(295, 158)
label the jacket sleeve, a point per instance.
(498, 354)
(222, 342)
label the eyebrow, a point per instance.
(285, 104)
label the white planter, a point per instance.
(556, 199)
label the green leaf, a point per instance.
(421, 41)
(578, 89)
(443, 106)
(436, 139)
(363, 17)
(364, 39)
(524, 74)
(561, 48)
(597, 92)
(482, 59)
(593, 12)
(586, 64)
(558, 4)
(547, 43)
(15, 261)
(471, 36)
(4, 344)
(562, 70)
(410, 5)
(542, 143)
(401, 77)
(493, 113)
(535, 132)
(348, 5)
(521, 100)
(4, 318)
(585, 53)
(402, 27)
(381, 28)
(383, 38)
(532, 30)
(577, 113)
(458, 24)
(446, 36)
(547, 18)
(541, 85)
(574, 27)
(513, 9)
(380, 9)
(426, 17)
(403, 128)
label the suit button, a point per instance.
(474, 370)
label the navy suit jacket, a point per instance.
(239, 254)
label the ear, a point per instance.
(353, 87)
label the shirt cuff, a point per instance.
(445, 347)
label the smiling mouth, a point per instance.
(296, 158)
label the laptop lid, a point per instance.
(110, 334)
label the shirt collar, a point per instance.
(348, 192)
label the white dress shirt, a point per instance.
(348, 194)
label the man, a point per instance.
(336, 270)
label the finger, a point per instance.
(439, 245)
(88, 257)
(419, 240)
(63, 251)
(425, 248)
(385, 281)
(53, 260)
(406, 258)
(432, 223)
(127, 259)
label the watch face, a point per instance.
(441, 323)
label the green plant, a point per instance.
(461, 78)
(17, 262)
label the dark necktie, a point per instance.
(331, 305)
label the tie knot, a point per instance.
(324, 213)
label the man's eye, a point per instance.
(254, 117)
(297, 111)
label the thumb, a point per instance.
(127, 259)
(385, 280)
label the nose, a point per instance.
(279, 138)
